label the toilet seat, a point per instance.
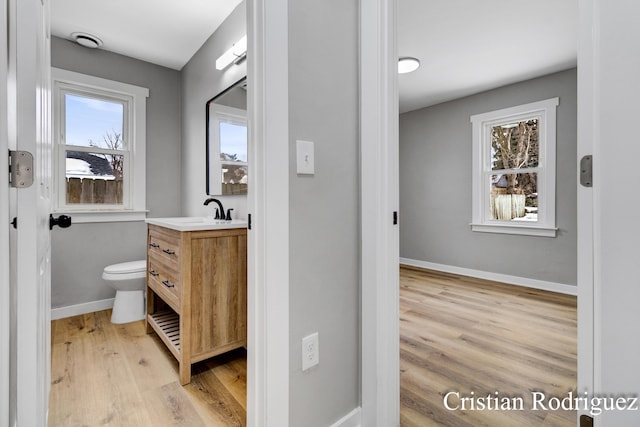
(125, 270)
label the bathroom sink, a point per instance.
(195, 223)
(191, 220)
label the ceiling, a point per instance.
(469, 46)
(465, 46)
(164, 32)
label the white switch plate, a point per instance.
(310, 351)
(305, 157)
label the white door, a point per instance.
(30, 245)
(611, 108)
(5, 302)
(587, 127)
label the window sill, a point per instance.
(515, 229)
(81, 217)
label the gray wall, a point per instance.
(435, 187)
(201, 82)
(323, 211)
(80, 253)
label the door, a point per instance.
(587, 128)
(611, 324)
(28, 126)
(5, 302)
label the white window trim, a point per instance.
(135, 208)
(481, 126)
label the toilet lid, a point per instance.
(126, 267)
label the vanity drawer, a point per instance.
(164, 282)
(165, 247)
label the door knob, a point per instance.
(63, 221)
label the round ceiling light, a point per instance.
(407, 64)
(87, 40)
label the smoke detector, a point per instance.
(86, 40)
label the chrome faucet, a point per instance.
(219, 214)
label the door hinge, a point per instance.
(586, 421)
(249, 222)
(586, 171)
(395, 217)
(20, 169)
(15, 222)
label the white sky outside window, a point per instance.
(234, 139)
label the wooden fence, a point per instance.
(507, 206)
(229, 189)
(94, 191)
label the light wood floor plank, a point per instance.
(464, 334)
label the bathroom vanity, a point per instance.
(197, 287)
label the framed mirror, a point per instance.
(227, 162)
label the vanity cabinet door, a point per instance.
(219, 294)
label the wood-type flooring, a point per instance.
(117, 375)
(457, 334)
(464, 335)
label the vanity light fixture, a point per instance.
(86, 40)
(235, 55)
(407, 64)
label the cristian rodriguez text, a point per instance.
(456, 401)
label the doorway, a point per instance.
(585, 250)
(436, 151)
(164, 196)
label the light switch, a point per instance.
(304, 154)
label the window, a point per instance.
(99, 135)
(514, 170)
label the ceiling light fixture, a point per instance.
(235, 55)
(86, 40)
(407, 64)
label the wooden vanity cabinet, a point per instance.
(197, 292)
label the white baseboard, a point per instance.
(87, 307)
(497, 277)
(352, 419)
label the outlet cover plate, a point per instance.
(310, 351)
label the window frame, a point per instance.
(133, 98)
(545, 111)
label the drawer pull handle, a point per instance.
(154, 245)
(168, 251)
(168, 284)
(153, 273)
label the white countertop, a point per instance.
(196, 223)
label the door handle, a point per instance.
(63, 221)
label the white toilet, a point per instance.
(129, 281)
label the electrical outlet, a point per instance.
(310, 351)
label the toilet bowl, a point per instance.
(129, 281)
